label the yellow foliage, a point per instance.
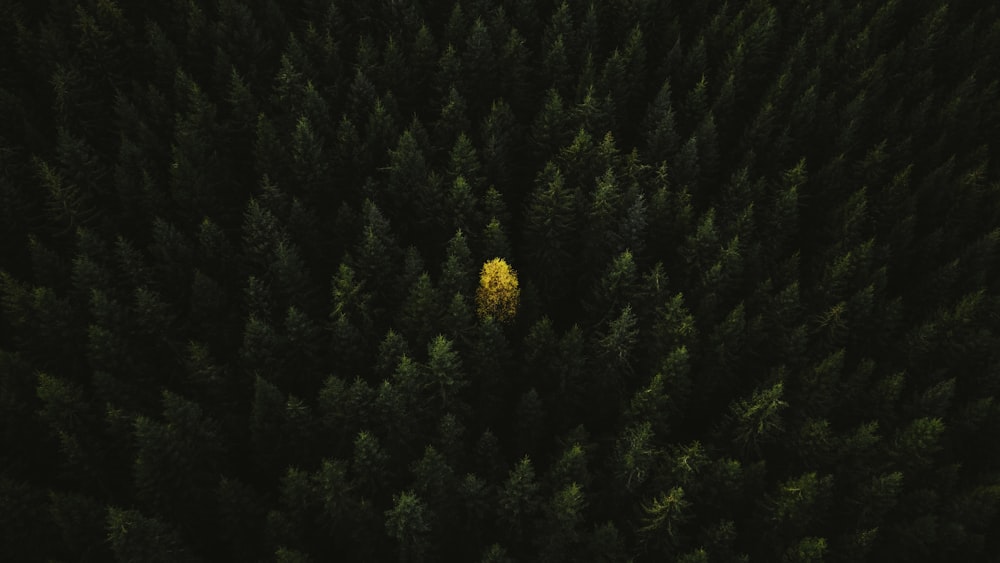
(498, 292)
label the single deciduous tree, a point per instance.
(498, 294)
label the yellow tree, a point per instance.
(498, 292)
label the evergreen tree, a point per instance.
(757, 420)
(499, 142)
(662, 140)
(445, 369)
(665, 517)
(421, 311)
(549, 224)
(137, 537)
(550, 130)
(457, 271)
(408, 522)
(519, 502)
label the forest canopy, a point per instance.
(258, 297)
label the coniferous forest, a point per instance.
(499, 281)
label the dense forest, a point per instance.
(746, 307)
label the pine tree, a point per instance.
(495, 241)
(634, 455)
(421, 312)
(408, 522)
(757, 421)
(499, 142)
(436, 482)
(453, 120)
(519, 499)
(462, 207)
(564, 514)
(481, 58)
(374, 256)
(550, 221)
(514, 69)
(617, 287)
(68, 206)
(464, 162)
(445, 370)
(195, 166)
(530, 418)
(136, 537)
(551, 128)
(664, 518)
(662, 139)
(457, 271)
(407, 169)
(795, 504)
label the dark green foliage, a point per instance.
(756, 244)
(409, 522)
(551, 223)
(136, 537)
(519, 501)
